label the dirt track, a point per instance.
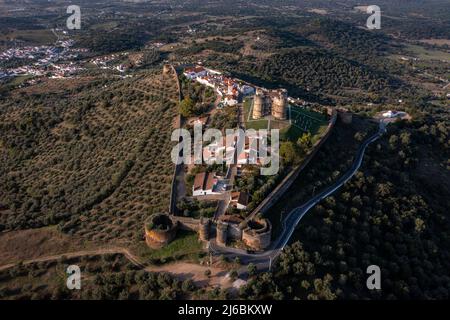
(181, 270)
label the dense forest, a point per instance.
(107, 277)
(322, 72)
(393, 213)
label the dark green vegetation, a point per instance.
(104, 277)
(225, 118)
(96, 161)
(257, 186)
(393, 213)
(214, 45)
(197, 99)
(197, 209)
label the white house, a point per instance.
(230, 100)
(195, 72)
(239, 200)
(205, 184)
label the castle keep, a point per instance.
(270, 102)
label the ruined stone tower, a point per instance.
(279, 104)
(222, 233)
(203, 229)
(258, 105)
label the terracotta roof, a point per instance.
(204, 181)
(198, 181)
(240, 197)
(210, 181)
(194, 69)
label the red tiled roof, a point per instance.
(240, 197)
(198, 181)
(204, 181)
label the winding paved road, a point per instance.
(264, 260)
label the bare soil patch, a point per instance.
(21, 245)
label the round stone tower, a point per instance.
(279, 104)
(257, 234)
(222, 233)
(258, 105)
(203, 229)
(160, 230)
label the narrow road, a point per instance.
(113, 250)
(181, 270)
(264, 260)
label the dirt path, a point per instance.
(181, 270)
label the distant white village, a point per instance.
(58, 61)
(44, 60)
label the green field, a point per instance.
(185, 246)
(253, 124)
(307, 120)
(257, 124)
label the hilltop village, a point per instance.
(225, 202)
(232, 91)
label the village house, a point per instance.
(239, 200)
(195, 72)
(205, 183)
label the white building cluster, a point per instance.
(44, 60)
(231, 90)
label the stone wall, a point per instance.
(186, 223)
(204, 229)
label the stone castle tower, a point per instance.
(222, 233)
(203, 229)
(279, 104)
(258, 105)
(273, 103)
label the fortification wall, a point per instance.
(186, 223)
(204, 229)
(169, 69)
(222, 233)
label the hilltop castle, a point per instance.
(270, 102)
